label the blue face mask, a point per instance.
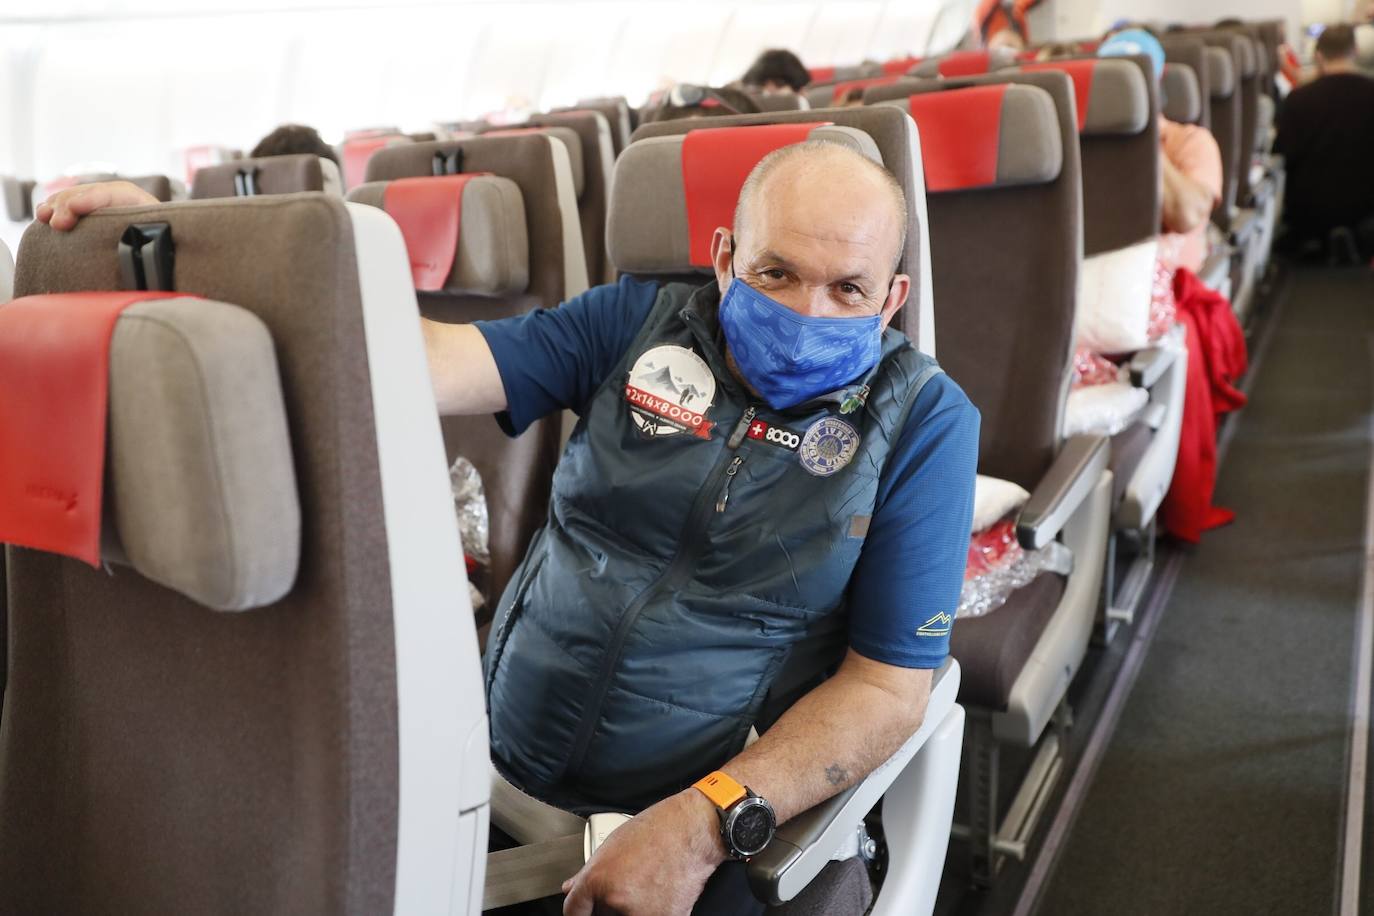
(790, 358)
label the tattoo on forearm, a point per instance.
(836, 774)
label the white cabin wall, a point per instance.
(1060, 20)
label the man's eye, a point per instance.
(775, 273)
(849, 289)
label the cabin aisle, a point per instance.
(1223, 790)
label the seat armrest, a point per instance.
(1216, 270)
(1149, 365)
(1245, 224)
(1066, 484)
(808, 842)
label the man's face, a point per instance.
(823, 248)
(777, 87)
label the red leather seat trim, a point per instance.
(1081, 72)
(960, 132)
(430, 214)
(356, 152)
(965, 63)
(54, 401)
(715, 162)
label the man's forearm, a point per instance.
(1186, 203)
(462, 369)
(835, 735)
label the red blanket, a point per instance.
(1216, 359)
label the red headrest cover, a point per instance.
(965, 63)
(715, 163)
(54, 394)
(430, 214)
(960, 133)
(1081, 72)
(356, 152)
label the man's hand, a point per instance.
(63, 209)
(657, 862)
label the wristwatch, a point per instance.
(747, 820)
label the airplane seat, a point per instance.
(18, 197)
(843, 80)
(779, 101)
(359, 147)
(668, 240)
(1002, 166)
(267, 700)
(616, 110)
(957, 64)
(267, 175)
(1182, 96)
(597, 151)
(519, 248)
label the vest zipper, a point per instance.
(687, 548)
(730, 473)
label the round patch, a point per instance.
(828, 446)
(669, 391)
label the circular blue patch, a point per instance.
(829, 445)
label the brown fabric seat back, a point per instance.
(1245, 66)
(1182, 98)
(517, 474)
(1005, 259)
(157, 756)
(617, 113)
(1225, 114)
(598, 161)
(269, 175)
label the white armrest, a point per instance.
(804, 845)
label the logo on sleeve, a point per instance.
(774, 435)
(669, 391)
(936, 626)
(829, 445)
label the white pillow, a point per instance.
(1114, 293)
(993, 500)
(1103, 409)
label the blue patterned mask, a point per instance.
(790, 358)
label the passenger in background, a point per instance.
(1326, 136)
(687, 101)
(294, 139)
(1190, 165)
(776, 71)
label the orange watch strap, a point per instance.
(720, 789)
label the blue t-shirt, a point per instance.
(906, 585)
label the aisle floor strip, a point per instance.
(1105, 726)
(1357, 769)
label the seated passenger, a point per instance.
(1326, 136)
(294, 139)
(776, 71)
(761, 521)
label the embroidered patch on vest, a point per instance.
(774, 435)
(669, 391)
(829, 445)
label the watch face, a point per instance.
(751, 829)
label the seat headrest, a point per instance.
(18, 198)
(465, 234)
(779, 101)
(1111, 94)
(201, 492)
(6, 274)
(671, 193)
(357, 150)
(265, 175)
(838, 92)
(963, 63)
(1182, 97)
(566, 135)
(1221, 73)
(1003, 135)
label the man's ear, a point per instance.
(896, 297)
(722, 257)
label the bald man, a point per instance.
(759, 524)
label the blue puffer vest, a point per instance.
(690, 581)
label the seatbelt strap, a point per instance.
(531, 872)
(526, 819)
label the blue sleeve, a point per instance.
(555, 359)
(905, 588)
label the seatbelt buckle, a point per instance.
(599, 827)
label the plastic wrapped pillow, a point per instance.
(1103, 409)
(998, 566)
(470, 502)
(1091, 368)
(995, 499)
